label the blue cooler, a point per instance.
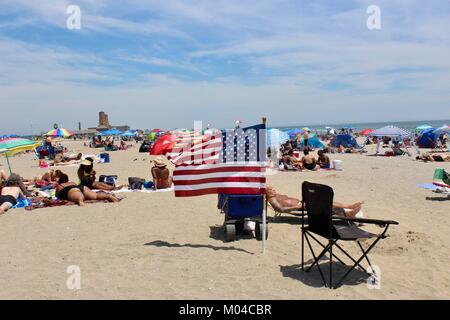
(244, 206)
(105, 157)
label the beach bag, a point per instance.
(109, 180)
(104, 157)
(136, 183)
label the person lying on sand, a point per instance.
(11, 192)
(70, 191)
(442, 157)
(285, 203)
(61, 160)
(161, 175)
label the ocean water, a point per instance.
(407, 125)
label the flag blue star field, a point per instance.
(220, 161)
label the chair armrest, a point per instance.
(366, 220)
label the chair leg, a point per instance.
(367, 258)
(335, 242)
(330, 243)
(303, 250)
(315, 261)
(364, 255)
(350, 257)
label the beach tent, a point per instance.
(276, 137)
(313, 142)
(112, 132)
(390, 131)
(428, 138)
(345, 140)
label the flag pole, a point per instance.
(264, 223)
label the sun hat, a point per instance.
(86, 162)
(159, 162)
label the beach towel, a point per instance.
(39, 203)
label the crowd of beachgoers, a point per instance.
(296, 153)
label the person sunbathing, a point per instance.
(11, 192)
(308, 161)
(434, 157)
(284, 203)
(161, 175)
(70, 191)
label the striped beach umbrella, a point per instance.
(12, 146)
(59, 133)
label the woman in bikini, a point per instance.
(161, 175)
(70, 191)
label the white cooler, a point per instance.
(337, 164)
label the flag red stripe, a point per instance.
(215, 180)
(201, 192)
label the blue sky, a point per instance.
(167, 63)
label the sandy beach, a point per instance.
(156, 246)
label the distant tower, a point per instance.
(103, 120)
(79, 126)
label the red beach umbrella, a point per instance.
(365, 132)
(163, 145)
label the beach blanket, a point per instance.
(39, 203)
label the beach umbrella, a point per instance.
(11, 146)
(127, 134)
(293, 133)
(306, 129)
(163, 144)
(389, 131)
(444, 128)
(112, 132)
(423, 127)
(276, 137)
(365, 132)
(59, 133)
(156, 130)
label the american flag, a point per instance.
(221, 161)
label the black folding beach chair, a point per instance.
(318, 203)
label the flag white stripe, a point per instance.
(219, 175)
(221, 165)
(255, 185)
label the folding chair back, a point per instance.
(318, 202)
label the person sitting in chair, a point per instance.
(284, 203)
